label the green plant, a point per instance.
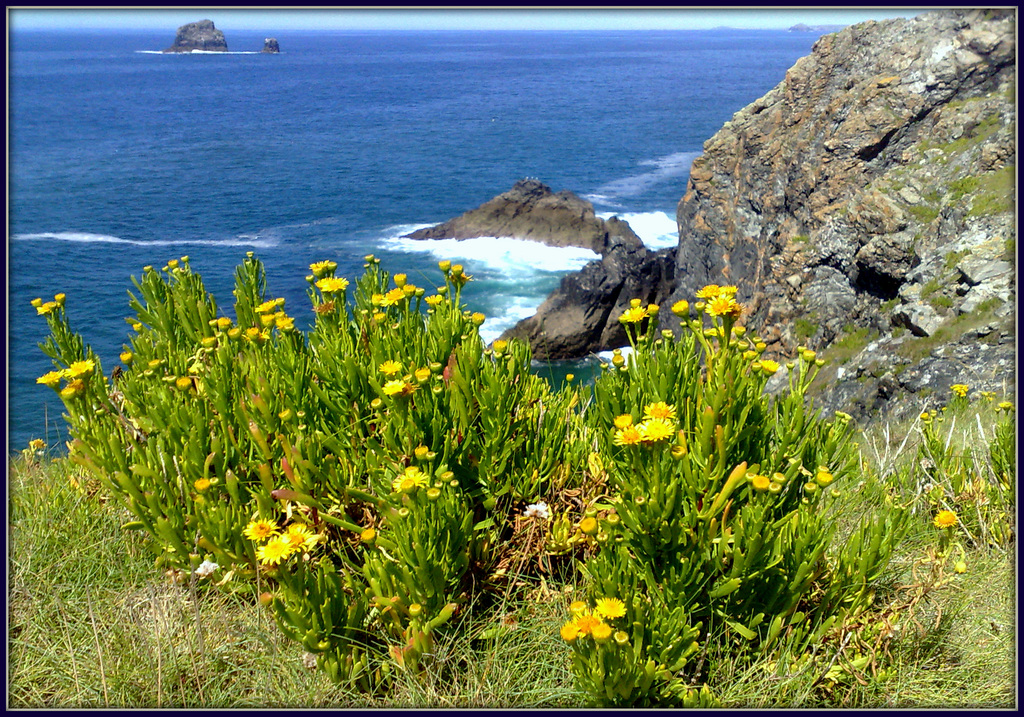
(717, 524)
(371, 471)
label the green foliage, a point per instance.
(805, 328)
(717, 525)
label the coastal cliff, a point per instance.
(864, 208)
(865, 205)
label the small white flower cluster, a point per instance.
(537, 510)
(206, 569)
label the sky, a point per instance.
(459, 18)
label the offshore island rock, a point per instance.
(199, 36)
(530, 210)
(270, 45)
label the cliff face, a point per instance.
(866, 203)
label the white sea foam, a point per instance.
(197, 52)
(664, 168)
(656, 230)
(513, 310)
(513, 257)
(89, 238)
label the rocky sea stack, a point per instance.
(199, 36)
(530, 210)
(865, 209)
(270, 45)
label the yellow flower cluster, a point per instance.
(75, 375)
(277, 546)
(49, 306)
(659, 424)
(945, 519)
(720, 300)
(408, 481)
(586, 622)
(960, 389)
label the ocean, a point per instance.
(121, 156)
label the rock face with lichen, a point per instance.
(866, 204)
(199, 36)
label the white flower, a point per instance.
(537, 510)
(309, 661)
(206, 569)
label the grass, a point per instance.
(93, 625)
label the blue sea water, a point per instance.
(121, 156)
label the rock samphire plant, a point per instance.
(368, 475)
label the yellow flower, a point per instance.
(392, 297)
(499, 346)
(410, 480)
(400, 280)
(322, 268)
(72, 389)
(945, 519)
(1005, 406)
(760, 482)
(390, 367)
(275, 550)
(708, 292)
(301, 537)
(332, 285)
(660, 410)
(477, 318)
(422, 374)
(577, 608)
(260, 530)
(183, 382)
(570, 631)
(657, 429)
(37, 444)
(610, 608)
(681, 308)
(721, 305)
(769, 366)
(633, 315)
(60, 299)
(392, 388)
(47, 307)
(960, 389)
(444, 265)
(285, 323)
(601, 632)
(623, 421)
(434, 300)
(268, 306)
(224, 323)
(824, 477)
(50, 378)
(36, 302)
(586, 623)
(202, 484)
(628, 436)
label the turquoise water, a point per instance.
(121, 156)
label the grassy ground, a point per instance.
(92, 624)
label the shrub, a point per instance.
(385, 471)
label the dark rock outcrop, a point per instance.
(530, 210)
(581, 315)
(199, 36)
(270, 45)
